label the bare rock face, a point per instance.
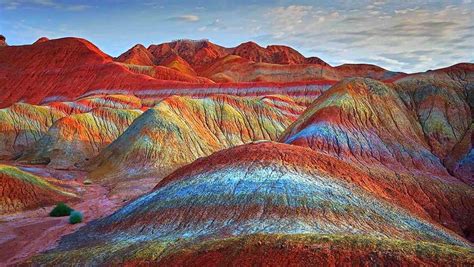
(264, 189)
(22, 191)
(41, 40)
(179, 130)
(3, 41)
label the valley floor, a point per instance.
(25, 234)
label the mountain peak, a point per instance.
(41, 40)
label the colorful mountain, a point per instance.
(22, 190)
(365, 120)
(137, 55)
(443, 101)
(308, 250)
(367, 124)
(264, 188)
(73, 140)
(178, 130)
(62, 69)
(372, 166)
(23, 125)
(69, 68)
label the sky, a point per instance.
(401, 35)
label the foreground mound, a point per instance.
(262, 188)
(179, 130)
(307, 250)
(22, 190)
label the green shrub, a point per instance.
(75, 217)
(61, 210)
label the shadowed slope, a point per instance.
(443, 101)
(460, 161)
(22, 125)
(366, 124)
(75, 139)
(180, 129)
(21, 190)
(263, 188)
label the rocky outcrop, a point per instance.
(3, 41)
(198, 53)
(262, 188)
(21, 191)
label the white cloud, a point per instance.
(185, 18)
(15, 4)
(363, 35)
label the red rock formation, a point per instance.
(41, 40)
(366, 70)
(199, 54)
(71, 67)
(137, 55)
(63, 68)
(3, 41)
(275, 54)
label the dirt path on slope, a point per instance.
(28, 233)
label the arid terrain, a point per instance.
(188, 153)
